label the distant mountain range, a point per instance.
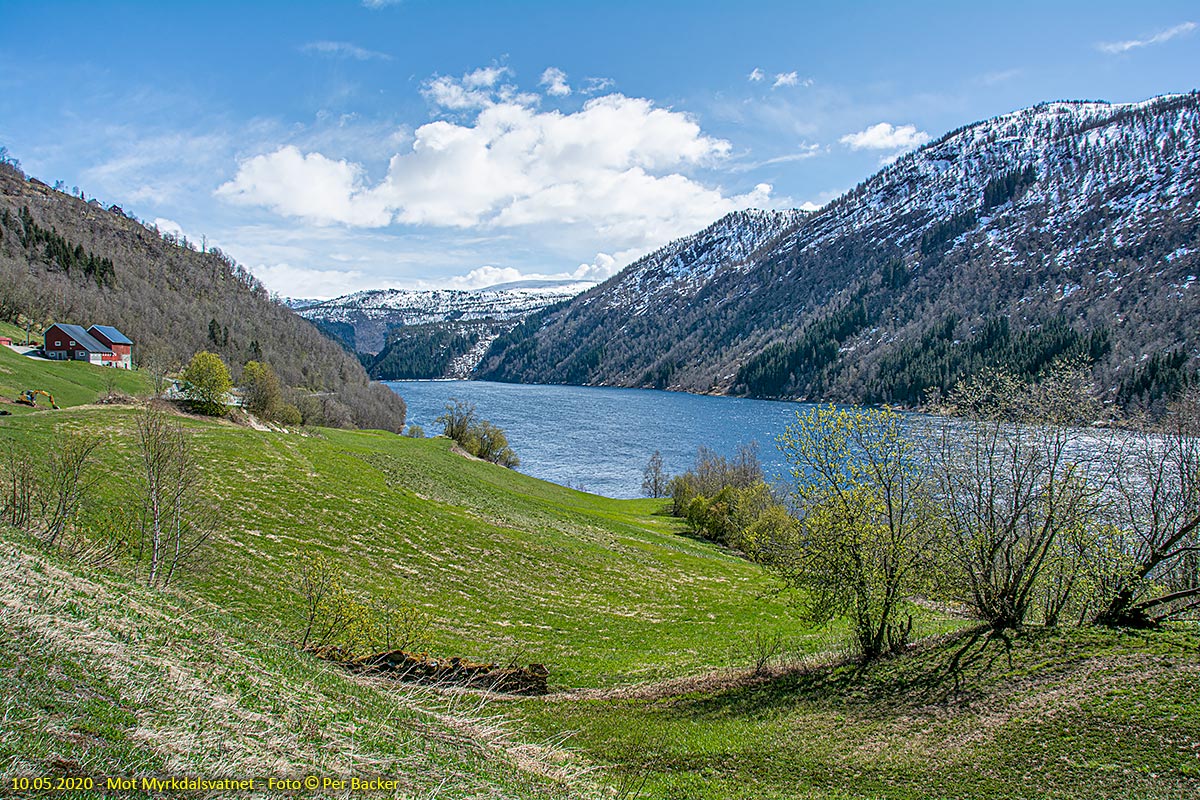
(402, 333)
(1070, 229)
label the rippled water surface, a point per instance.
(600, 439)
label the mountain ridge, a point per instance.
(1026, 227)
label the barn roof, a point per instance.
(82, 338)
(111, 333)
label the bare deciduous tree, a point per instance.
(175, 522)
(67, 479)
(1017, 483)
(1155, 574)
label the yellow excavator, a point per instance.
(29, 397)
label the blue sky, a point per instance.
(338, 146)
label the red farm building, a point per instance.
(102, 345)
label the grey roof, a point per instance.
(111, 333)
(82, 338)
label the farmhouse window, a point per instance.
(58, 344)
(72, 343)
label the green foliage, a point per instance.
(729, 516)
(287, 414)
(1006, 187)
(261, 392)
(207, 384)
(711, 473)
(868, 523)
(785, 366)
(56, 251)
(478, 437)
(945, 354)
(1160, 378)
(414, 431)
(934, 239)
(333, 616)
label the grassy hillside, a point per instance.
(601, 591)
(101, 677)
(66, 260)
(1048, 714)
(648, 635)
(72, 383)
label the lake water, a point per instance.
(599, 439)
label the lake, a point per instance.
(599, 439)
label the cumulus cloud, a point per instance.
(169, 226)
(310, 186)
(885, 136)
(613, 167)
(602, 267)
(555, 81)
(343, 50)
(312, 284)
(480, 88)
(1114, 48)
(756, 75)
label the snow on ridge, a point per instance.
(413, 306)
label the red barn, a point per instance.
(120, 345)
(101, 345)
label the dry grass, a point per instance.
(101, 677)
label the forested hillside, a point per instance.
(1069, 229)
(68, 260)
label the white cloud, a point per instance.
(312, 284)
(597, 85)
(310, 186)
(602, 267)
(785, 79)
(344, 50)
(375, 5)
(1167, 35)
(612, 168)
(804, 152)
(481, 88)
(809, 205)
(885, 136)
(484, 77)
(756, 75)
(170, 226)
(998, 76)
(555, 81)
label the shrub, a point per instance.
(207, 384)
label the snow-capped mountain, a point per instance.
(683, 267)
(364, 319)
(1066, 228)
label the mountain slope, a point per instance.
(1066, 228)
(67, 260)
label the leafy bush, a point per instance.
(480, 438)
(207, 384)
(711, 473)
(333, 616)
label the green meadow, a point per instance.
(650, 635)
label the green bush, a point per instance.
(207, 384)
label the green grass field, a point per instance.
(648, 634)
(72, 383)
